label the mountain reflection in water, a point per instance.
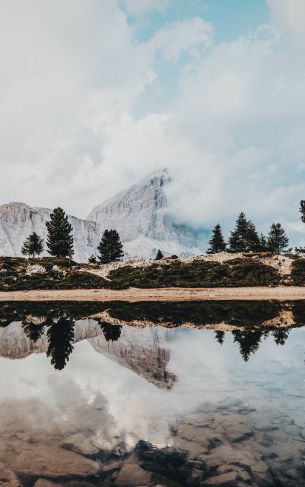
(147, 394)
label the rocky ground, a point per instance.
(226, 445)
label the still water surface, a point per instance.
(143, 394)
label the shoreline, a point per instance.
(281, 293)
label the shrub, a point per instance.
(298, 272)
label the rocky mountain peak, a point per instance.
(139, 214)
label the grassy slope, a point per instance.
(17, 274)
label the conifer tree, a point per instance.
(244, 237)
(110, 248)
(277, 239)
(33, 245)
(60, 239)
(263, 243)
(217, 242)
(302, 210)
(159, 255)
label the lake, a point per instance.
(152, 394)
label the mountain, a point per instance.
(144, 352)
(138, 214)
(18, 220)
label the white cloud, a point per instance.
(232, 135)
(181, 36)
(290, 16)
(140, 7)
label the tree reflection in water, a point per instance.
(33, 331)
(55, 321)
(111, 332)
(60, 342)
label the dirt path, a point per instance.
(168, 294)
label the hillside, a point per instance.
(206, 271)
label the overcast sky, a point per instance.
(95, 94)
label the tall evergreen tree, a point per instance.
(60, 239)
(277, 239)
(263, 243)
(244, 237)
(110, 248)
(217, 242)
(33, 245)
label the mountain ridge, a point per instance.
(138, 213)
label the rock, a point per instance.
(224, 480)
(46, 483)
(265, 426)
(111, 468)
(237, 429)
(242, 474)
(81, 444)
(132, 475)
(6, 475)
(227, 455)
(46, 461)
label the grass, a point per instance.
(66, 274)
(237, 272)
(58, 274)
(298, 272)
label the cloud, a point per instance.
(139, 7)
(178, 37)
(290, 17)
(227, 119)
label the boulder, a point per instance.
(228, 479)
(39, 460)
(132, 475)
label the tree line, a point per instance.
(60, 241)
(243, 238)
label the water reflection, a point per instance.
(249, 322)
(186, 394)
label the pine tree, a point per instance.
(110, 248)
(159, 255)
(302, 210)
(277, 239)
(263, 243)
(60, 239)
(244, 237)
(33, 245)
(253, 240)
(217, 242)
